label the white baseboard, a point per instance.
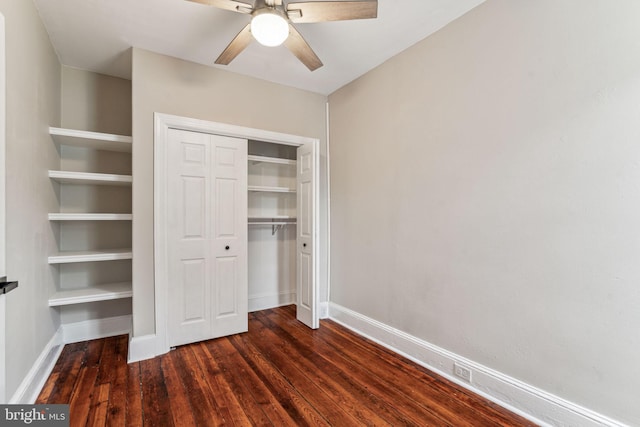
(68, 333)
(268, 300)
(30, 387)
(323, 308)
(94, 329)
(532, 403)
(143, 348)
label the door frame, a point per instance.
(3, 235)
(162, 124)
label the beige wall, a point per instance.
(32, 105)
(485, 195)
(95, 102)
(168, 85)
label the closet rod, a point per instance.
(275, 226)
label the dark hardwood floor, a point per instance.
(280, 373)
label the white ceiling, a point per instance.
(96, 35)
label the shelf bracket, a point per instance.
(6, 286)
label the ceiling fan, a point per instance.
(272, 23)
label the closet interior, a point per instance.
(271, 224)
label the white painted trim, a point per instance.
(532, 403)
(142, 348)
(30, 387)
(164, 122)
(32, 384)
(94, 329)
(3, 235)
(270, 300)
(325, 310)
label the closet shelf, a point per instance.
(89, 217)
(66, 177)
(259, 188)
(272, 223)
(276, 160)
(105, 292)
(272, 220)
(270, 217)
(95, 140)
(90, 256)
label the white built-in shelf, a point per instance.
(105, 292)
(276, 160)
(89, 217)
(272, 220)
(90, 256)
(272, 223)
(260, 188)
(272, 217)
(67, 177)
(95, 140)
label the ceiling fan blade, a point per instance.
(232, 5)
(237, 45)
(322, 11)
(301, 49)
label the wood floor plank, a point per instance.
(248, 384)
(219, 386)
(280, 373)
(116, 412)
(99, 406)
(155, 397)
(287, 396)
(86, 383)
(68, 369)
(205, 410)
(181, 411)
(106, 373)
(133, 415)
(43, 397)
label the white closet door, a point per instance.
(206, 284)
(306, 239)
(231, 299)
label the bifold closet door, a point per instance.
(306, 287)
(207, 236)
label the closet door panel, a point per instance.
(230, 305)
(207, 236)
(305, 241)
(189, 316)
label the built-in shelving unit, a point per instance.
(104, 292)
(91, 292)
(86, 178)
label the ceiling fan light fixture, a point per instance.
(269, 28)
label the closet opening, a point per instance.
(236, 218)
(271, 224)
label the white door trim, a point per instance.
(164, 122)
(3, 266)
